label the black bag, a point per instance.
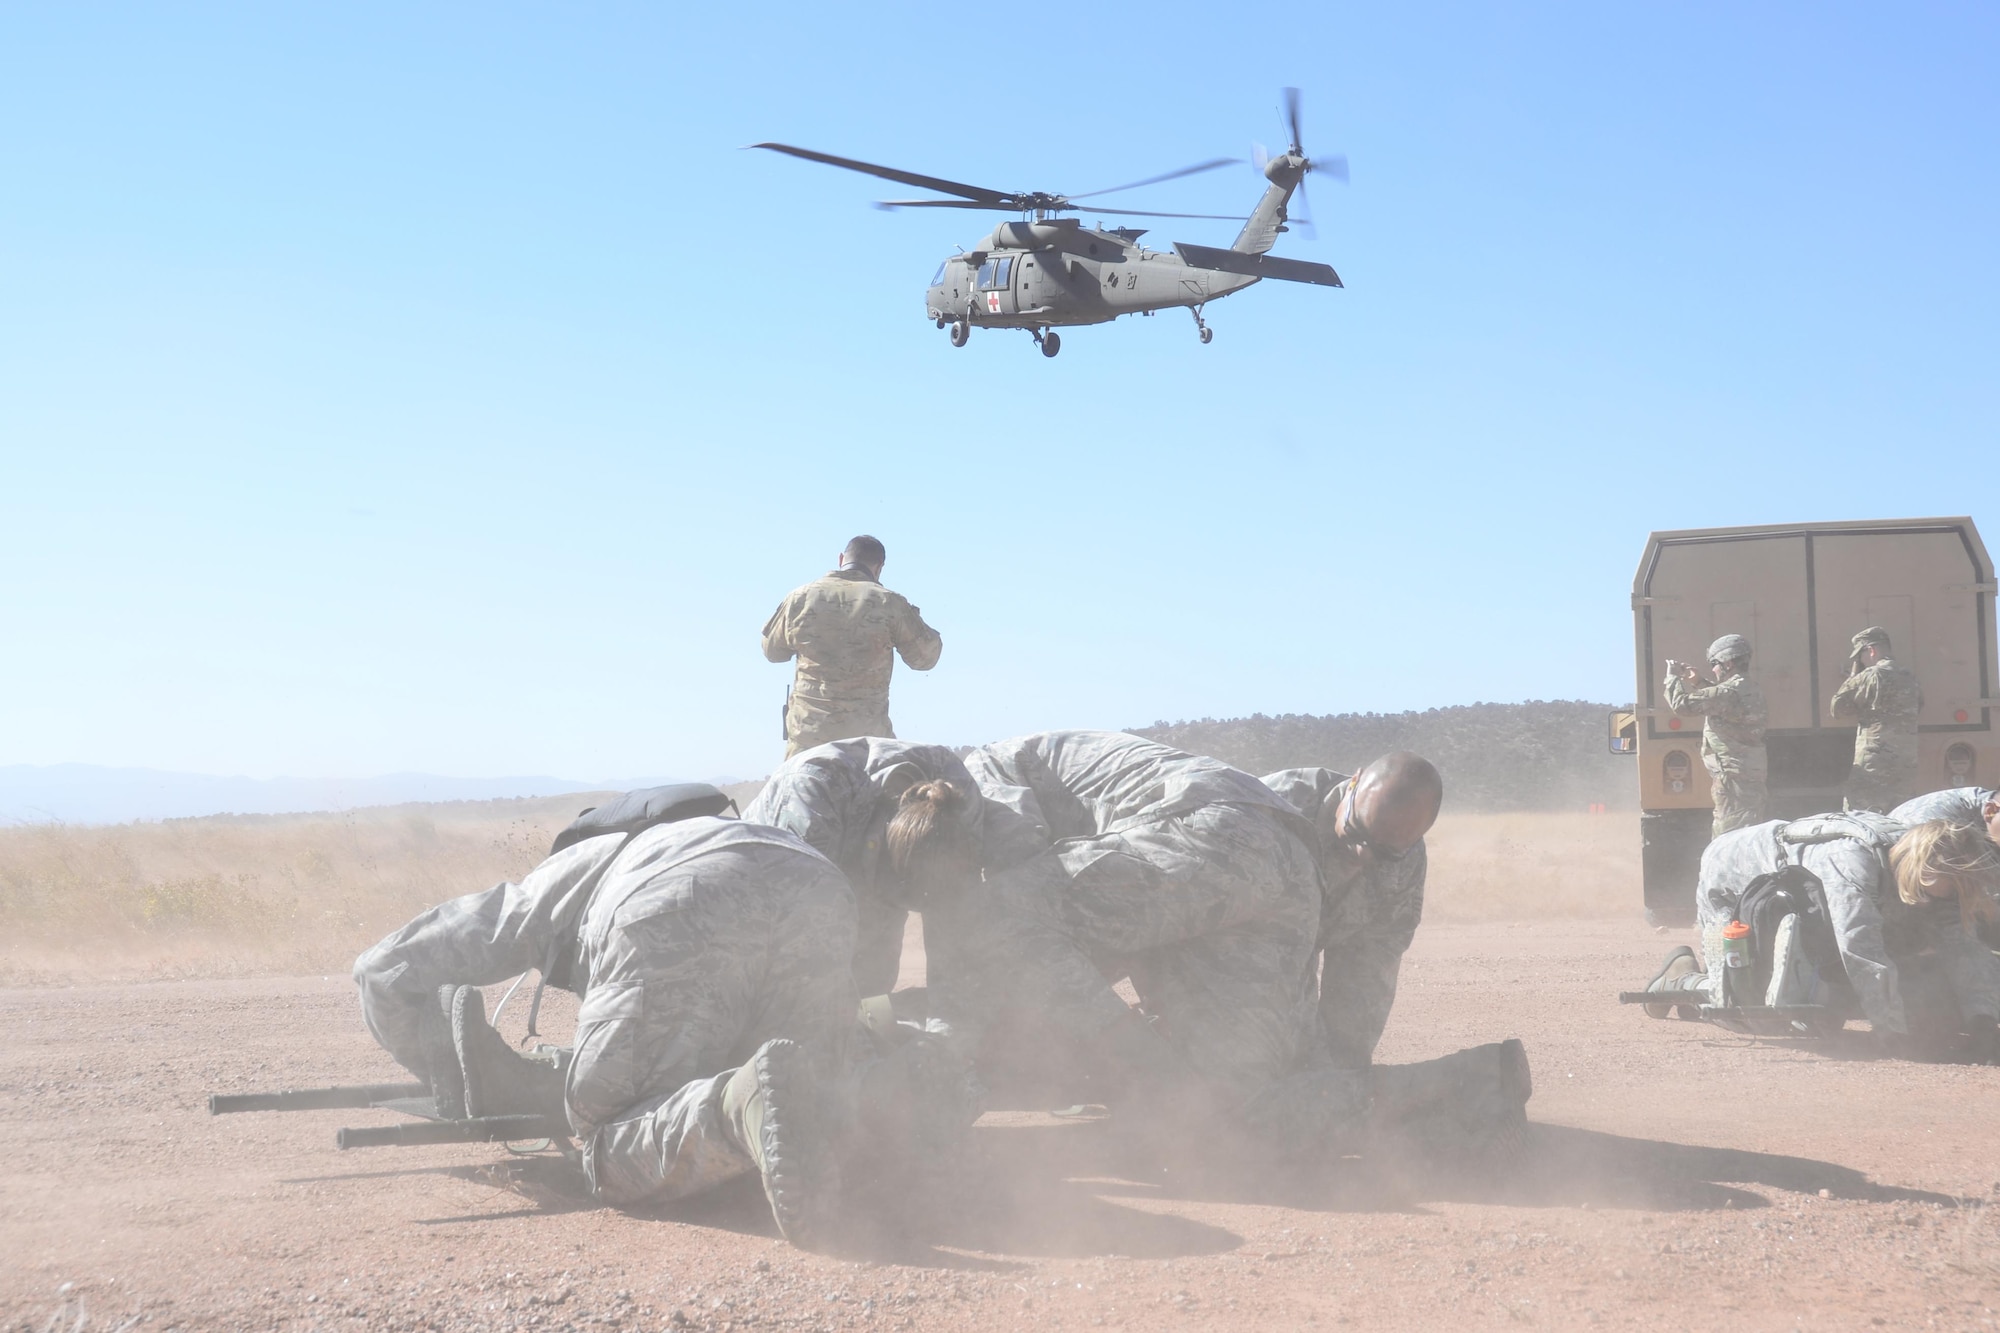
(636, 811)
(1790, 891)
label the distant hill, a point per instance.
(1539, 755)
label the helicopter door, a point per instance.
(995, 294)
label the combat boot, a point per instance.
(1466, 1106)
(771, 1108)
(499, 1080)
(1674, 975)
(441, 1066)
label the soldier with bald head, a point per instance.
(1205, 887)
(1732, 730)
(1370, 843)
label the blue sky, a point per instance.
(441, 388)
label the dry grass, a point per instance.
(239, 895)
(287, 894)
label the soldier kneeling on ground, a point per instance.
(717, 1033)
(1199, 884)
(1854, 912)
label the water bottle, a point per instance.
(1736, 979)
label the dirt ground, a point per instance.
(1678, 1177)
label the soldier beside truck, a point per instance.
(1852, 720)
(1848, 861)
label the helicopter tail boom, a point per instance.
(1256, 266)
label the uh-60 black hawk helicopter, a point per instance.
(1048, 272)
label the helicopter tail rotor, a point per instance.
(1333, 164)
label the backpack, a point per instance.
(636, 811)
(1791, 890)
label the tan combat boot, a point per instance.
(498, 1080)
(771, 1108)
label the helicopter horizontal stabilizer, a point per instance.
(1256, 266)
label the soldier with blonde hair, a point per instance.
(1897, 940)
(1943, 862)
(904, 822)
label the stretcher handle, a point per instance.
(484, 1129)
(346, 1097)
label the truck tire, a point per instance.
(1670, 845)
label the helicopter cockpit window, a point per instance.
(937, 278)
(995, 273)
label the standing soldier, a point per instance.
(1882, 700)
(1732, 730)
(845, 629)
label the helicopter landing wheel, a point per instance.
(960, 331)
(1051, 344)
(1207, 336)
(940, 321)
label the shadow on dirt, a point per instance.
(1074, 1189)
(1556, 1168)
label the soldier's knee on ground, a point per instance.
(1466, 1108)
(1309, 1120)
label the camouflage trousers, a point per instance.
(810, 721)
(1214, 915)
(657, 1040)
(1740, 801)
(1880, 790)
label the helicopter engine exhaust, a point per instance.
(1035, 235)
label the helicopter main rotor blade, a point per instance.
(1334, 165)
(1292, 119)
(1149, 213)
(1170, 176)
(979, 193)
(891, 205)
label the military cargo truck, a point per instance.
(1799, 592)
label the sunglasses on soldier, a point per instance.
(1355, 837)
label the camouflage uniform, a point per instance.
(1877, 932)
(1959, 805)
(1732, 746)
(1367, 919)
(845, 629)
(691, 945)
(839, 797)
(1883, 702)
(1181, 872)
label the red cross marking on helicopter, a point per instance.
(992, 303)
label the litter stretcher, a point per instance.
(409, 1099)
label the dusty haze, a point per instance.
(276, 895)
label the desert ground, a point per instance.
(1676, 1176)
